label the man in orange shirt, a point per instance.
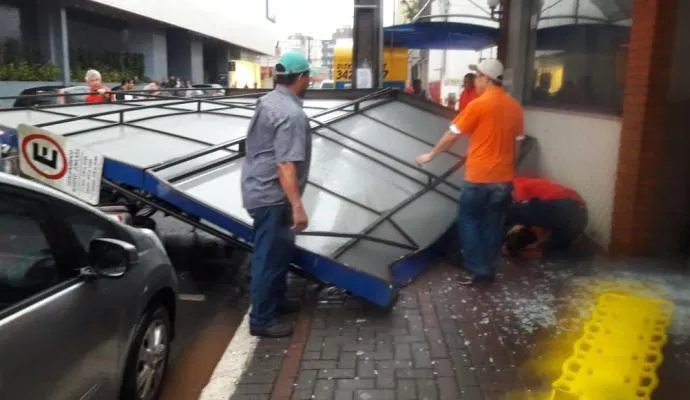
(469, 92)
(493, 122)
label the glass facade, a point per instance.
(578, 51)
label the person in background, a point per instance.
(493, 123)
(191, 92)
(544, 215)
(98, 92)
(125, 84)
(418, 90)
(152, 88)
(469, 92)
(274, 175)
(408, 88)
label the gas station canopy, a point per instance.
(440, 35)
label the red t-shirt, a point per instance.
(466, 96)
(543, 189)
(94, 97)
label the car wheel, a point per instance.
(148, 356)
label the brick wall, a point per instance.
(643, 134)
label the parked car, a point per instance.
(29, 98)
(327, 84)
(73, 94)
(209, 89)
(87, 304)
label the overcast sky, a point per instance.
(320, 18)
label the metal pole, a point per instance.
(65, 46)
(421, 10)
(367, 41)
(444, 60)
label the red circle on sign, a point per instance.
(47, 138)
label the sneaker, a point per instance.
(273, 330)
(471, 280)
(288, 307)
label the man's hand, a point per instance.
(101, 91)
(425, 158)
(300, 221)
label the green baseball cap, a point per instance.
(293, 62)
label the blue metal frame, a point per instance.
(379, 291)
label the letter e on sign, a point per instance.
(42, 154)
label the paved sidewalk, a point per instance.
(444, 341)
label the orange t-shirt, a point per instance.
(493, 121)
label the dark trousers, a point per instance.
(481, 222)
(565, 218)
(274, 244)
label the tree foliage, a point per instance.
(410, 8)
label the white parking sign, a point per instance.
(60, 163)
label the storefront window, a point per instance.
(578, 52)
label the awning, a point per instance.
(462, 36)
(440, 35)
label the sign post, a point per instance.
(58, 162)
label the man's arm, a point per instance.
(444, 144)
(290, 148)
(289, 182)
(463, 123)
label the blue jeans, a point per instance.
(274, 244)
(481, 220)
(565, 218)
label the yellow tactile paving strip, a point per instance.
(619, 352)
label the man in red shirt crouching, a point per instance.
(544, 215)
(98, 92)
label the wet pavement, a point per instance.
(440, 341)
(210, 305)
(445, 341)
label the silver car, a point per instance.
(87, 304)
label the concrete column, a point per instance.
(53, 37)
(368, 40)
(185, 55)
(152, 43)
(178, 44)
(519, 52)
(221, 66)
(196, 60)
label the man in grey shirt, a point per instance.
(274, 175)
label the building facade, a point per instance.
(162, 38)
(606, 95)
(328, 48)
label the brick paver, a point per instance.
(440, 341)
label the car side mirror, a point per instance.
(111, 258)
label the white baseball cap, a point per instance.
(490, 67)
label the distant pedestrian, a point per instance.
(125, 84)
(98, 92)
(493, 122)
(274, 175)
(469, 92)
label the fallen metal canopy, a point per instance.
(373, 212)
